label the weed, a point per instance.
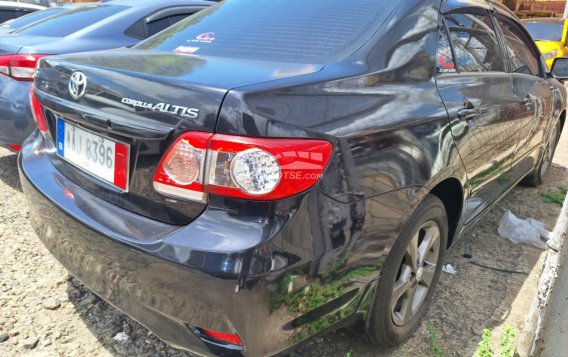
(434, 342)
(507, 345)
(484, 347)
(555, 197)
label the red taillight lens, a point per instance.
(224, 337)
(19, 67)
(15, 148)
(243, 167)
(37, 111)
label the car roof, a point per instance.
(20, 5)
(543, 20)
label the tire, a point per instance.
(390, 323)
(536, 177)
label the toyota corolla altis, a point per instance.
(266, 171)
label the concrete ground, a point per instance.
(554, 335)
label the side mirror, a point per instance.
(560, 68)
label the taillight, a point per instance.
(229, 338)
(19, 67)
(37, 111)
(15, 148)
(243, 167)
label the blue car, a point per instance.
(88, 27)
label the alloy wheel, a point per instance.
(549, 153)
(416, 273)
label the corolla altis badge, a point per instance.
(77, 85)
(191, 113)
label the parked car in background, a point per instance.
(45, 3)
(550, 36)
(15, 24)
(242, 182)
(87, 27)
(11, 10)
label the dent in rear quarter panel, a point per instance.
(392, 143)
(16, 121)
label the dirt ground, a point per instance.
(45, 313)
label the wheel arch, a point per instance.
(450, 191)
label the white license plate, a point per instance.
(99, 156)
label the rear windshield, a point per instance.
(314, 31)
(545, 31)
(66, 23)
(33, 17)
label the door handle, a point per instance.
(468, 113)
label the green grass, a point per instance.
(436, 348)
(484, 348)
(506, 346)
(555, 197)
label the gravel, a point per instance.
(30, 342)
(51, 303)
(43, 308)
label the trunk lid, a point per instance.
(145, 100)
(11, 44)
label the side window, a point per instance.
(475, 43)
(23, 12)
(519, 54)
(156, 26)
(141, 30)
(444, 56)
(6, 15)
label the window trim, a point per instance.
(161, 14)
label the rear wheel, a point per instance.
(536, 177)
(411, 274)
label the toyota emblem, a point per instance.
(77, 85)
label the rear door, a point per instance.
(479, 98)
(532, 92)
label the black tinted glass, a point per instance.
(315, 31)
(72, 21)
(545, 31)
(33, 17)
(444, 56)
(475, 43)
(6, 15)
(519, 54)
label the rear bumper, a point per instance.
(16, 120)
(161, 295)
(226, 271)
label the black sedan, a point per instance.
(263, 172)
(79, 28)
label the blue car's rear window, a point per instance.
(33, 17)
(314, 31)
(66, 23)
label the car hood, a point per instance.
(548, 46)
